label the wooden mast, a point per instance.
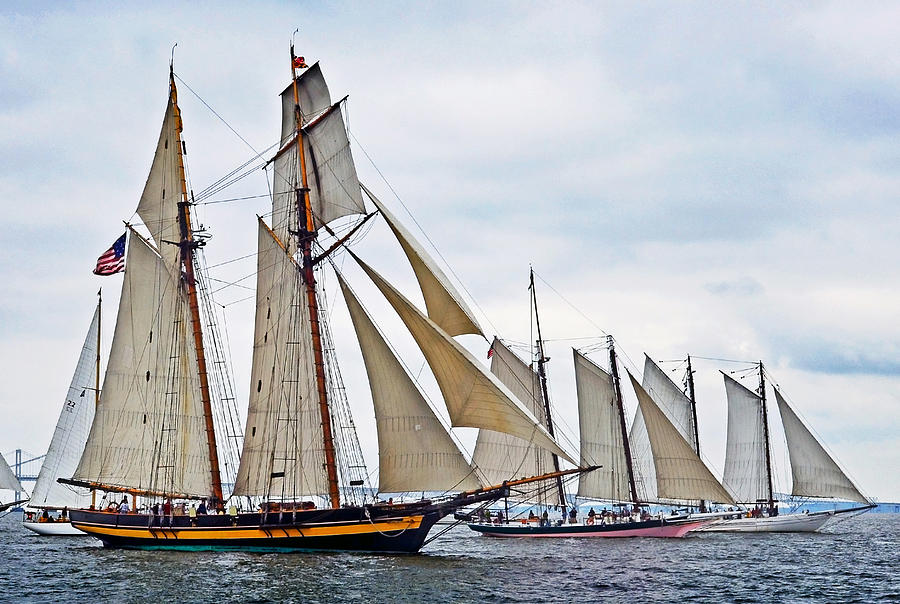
(614, 369)
(690, 386)
(188, 245)
(306, 234)
(765, 419)
(97, 374)
(545, 395)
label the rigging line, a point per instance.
(723, 360)
(216, 114)
(230, 283)
(427, 238)
(217, 201)
(230, 261)
(566, 300)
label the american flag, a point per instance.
(112, 261)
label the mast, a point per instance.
(690, 386)
(188, 245)
(307, 234)
(545, 395)
(97, 376)
(614, 370)
(765, 413)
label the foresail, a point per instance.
(72, 429)
(8, 480)
(415, 452)
(499, 456)
(444, 303)
(473, 396)
(601, 435)
(680, 473)
(814, 471)
(745, 451)
(283, 454)
(149, 431)
(158, 207)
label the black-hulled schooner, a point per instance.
(160, 433)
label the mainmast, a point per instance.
(306, 234)
(97, 374)
(188, 245)
(690, 387)
(545, 395)
(765, 413)
(614, 370)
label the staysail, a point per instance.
(680, 473)
(499, 456)
(149, 431)
(444, 303)
(745, 453)
(474, 397)
(415, 452)
(814, 471)
(283, 453)
(8, 480)
(72, 429)
(601, 435)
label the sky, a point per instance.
(713, 179)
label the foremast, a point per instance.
(187, 245)
(306, 234)
(545, 395)
(692, 397)
(614, 370)
(766, 439)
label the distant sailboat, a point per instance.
(67, 445)
(9, 482)
(748, 465)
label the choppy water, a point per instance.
(855, 561)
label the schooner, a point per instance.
(158, 430)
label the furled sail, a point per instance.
(149, 431)
(8, 480)
(814, 471)
(331, 174)
(474, 397)
(283, 455)
(601, 435)
(745, 451)
(72, 429)
(444, 303)
(415, 452)
(677, 408)
(680, 473)
(499, 456)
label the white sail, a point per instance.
(499, 456)
(677, 408)
(473, 396)
(415, 452)
(158, 207)
(283, 455)
(601, 434)
(149, 431)
(331, 174)
(680, 473)
(444, 303)
(814, 471)
(745, 450)
(72, 429)
(8, 480)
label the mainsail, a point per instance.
(745, 473)
(444, 303)
(601, 436)
(8, 480)
(72, 429)
(473, 396)
(499, 456)
(680, 473)
(149, 431)
(283, 453)
(814, 471)
(415, 452)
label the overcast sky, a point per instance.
(715, 179)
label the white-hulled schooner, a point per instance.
(748, 465)
(155, 433)
(67, 444)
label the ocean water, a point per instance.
(854, 561)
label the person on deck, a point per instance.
(545, 519)
(573, 516)
(201, 509)
(123, 507)
(167, 507)
(591, 515)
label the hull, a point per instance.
(54, 529)
(649, 528)
(787, 523)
